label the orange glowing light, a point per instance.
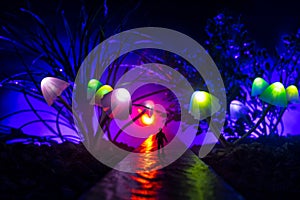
(146, 120)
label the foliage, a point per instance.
(60, 49)
(54, 47)
(240, 61)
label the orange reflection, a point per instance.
(148, 145)
(147, 186)
(148, 183)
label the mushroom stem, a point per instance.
(65, 103)
(99, 133)
(76, 116)
(219, 137)
(255, 126)
(279, 119)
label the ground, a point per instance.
(268, 167)
(62, 171)
(263, 168)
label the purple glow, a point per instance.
(291, 120)
(128, 137)
(28, 121)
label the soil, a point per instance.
(263, 168)
(59, 171)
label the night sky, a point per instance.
(265, 20)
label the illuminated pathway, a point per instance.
(186, 178)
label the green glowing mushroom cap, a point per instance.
(258, 86)
(103, 90)
(203, 105)
(93, 86)
(275, 95)
(292, 94)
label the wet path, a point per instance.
(186, 178)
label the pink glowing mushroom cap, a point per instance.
(52, 88)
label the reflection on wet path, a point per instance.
(186, 178)
(147, 146)
(147, 181)
(147, 186)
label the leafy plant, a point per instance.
(60, 49)
(55, 48)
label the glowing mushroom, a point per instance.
(147, 120)
(147, 117)
(258, 86)
(93, 86)
(292, 94)
(150, 107)
(116, 103)
(103, 90)
(121, 105)
(273, 95)
(52, 88)
(238, 110)
(203, 105)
